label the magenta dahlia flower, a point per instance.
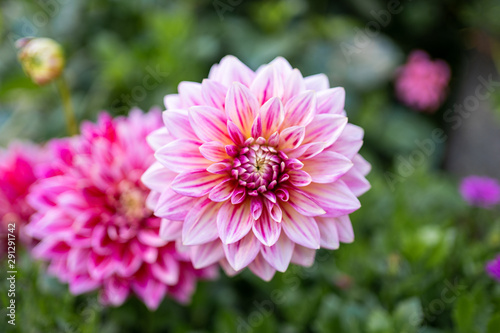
(257, 169)
(18, 173)
(92, 221)
(493, 268)
(422, 83)
(480, 191)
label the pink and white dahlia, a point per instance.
(422, 83)
(18, 173)
(257, 169)
(92, 221)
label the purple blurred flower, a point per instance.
(480, 191)
(493, 268)
(422, 83)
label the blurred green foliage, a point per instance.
(417, 264)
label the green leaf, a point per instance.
(463, 313)
(379, 321)
(494, 324)
(408, 315)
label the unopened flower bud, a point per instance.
(42, 59)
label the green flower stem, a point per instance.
(69, 112)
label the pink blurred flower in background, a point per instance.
(257, 169)
(92, 221)
(493, 268)
(480, 191)
(422, 83)
(18, 173)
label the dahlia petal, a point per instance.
(335, 198)
(270, 196)
(280, 254)
(256, 131)
(195, 183)
(261, 268)
(241, 253)
(299, 111)
(274, 139)
(81, 284)
(174, 206)
(232, 150)
(98, 240)
(177, 123)
(274, 210)
(151, 292)
(219, 168)
(331, 101)
(190, 94)
(77, 260)
(356, 182)
(301, 229)
(213, 151)
(209, 124)
(325, 128)
(328, 231)
(303, 203)
(100, 267)
(273, 114)
(207, 254)
(282, 66)
(241, 107)
(349, 142)
(214, 93)
(147, 253)
(41, 200)
(228, 269)
(129, 263)
(49, 248)
(299, 178)
(158, 138)
(182, 155)
(170, 230)
(266, 230)
(231, 69)
(362, 165)
(344, 228)
(235, 134)
(303, 256)
(267, 84)
(115, 291)
(166, 269)
(256, 207)
(293, 85)
(327, 167)
(172, 101)
(199, 225)
(317, 82)
(157, 177)
(238, 195)
(150, 237)
(291, 137)
(234, 221)
(308, 150)
(223, 191)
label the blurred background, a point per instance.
(417, 264)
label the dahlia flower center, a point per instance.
(132, 204)
(258, 168)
